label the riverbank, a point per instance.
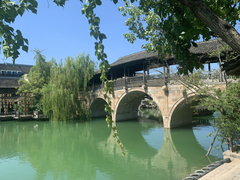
(229, 168)
(23, 118)
(227, 171)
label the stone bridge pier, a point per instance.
(172, 101)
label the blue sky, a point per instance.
(61, 32)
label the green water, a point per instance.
(87, 151)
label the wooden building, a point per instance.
(9, 76)
(127, 66)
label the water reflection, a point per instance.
(88, 151)
(150, 114)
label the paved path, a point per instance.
(227, 171)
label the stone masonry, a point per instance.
(171, 100)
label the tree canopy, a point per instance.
(226, 101)
(38, 76)
(11, 41)
(59, 89)
(64, 95)
(172, 26)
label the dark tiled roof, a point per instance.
(17, 67)
(135, 57)
(9, 83)
(12, 82)
(204, 47)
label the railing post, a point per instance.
(164, 78)
(125, 76)
(147, 74)
(209, 70)
(168, 74)
(112, 78)
(220, 72)
(143, 74)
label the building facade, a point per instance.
(9, 76)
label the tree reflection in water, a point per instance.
(88, 150)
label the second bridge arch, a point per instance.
(127, 105)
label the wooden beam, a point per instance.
(209, 70)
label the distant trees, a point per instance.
(38, 76)
(64, 95)
(59, 90)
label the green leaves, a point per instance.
(102, 36)
(12, 41)
(99, 2)
(25, 48)
(222, 100)
(171, 25)
(67, 87)
(61, 2)
(194, 44)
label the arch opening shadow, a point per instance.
(182, 114)
(128, 106)
(97, 108)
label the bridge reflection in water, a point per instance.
(179, 155)
(88, 151)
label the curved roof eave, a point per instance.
(202, 50)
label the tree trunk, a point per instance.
(221, 27)
(231, 144)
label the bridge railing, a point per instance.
(156, 80)
(135, 81)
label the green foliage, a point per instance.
(171, 28)
(37, 77)
(12, 41)
(64, 95)
(228, 104)
(94, 21)
(61, 85)
(225, 101)
(17, 107)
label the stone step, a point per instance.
(233, 174)
(227, 171)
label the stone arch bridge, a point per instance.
(171, 100)
(132, 81)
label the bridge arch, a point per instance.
(128, 103)
(97, 108)
(181, 112)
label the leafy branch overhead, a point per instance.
(172, 27)
(12, 40)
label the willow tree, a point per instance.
(64, 95)
(37, 77)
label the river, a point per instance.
(87, 151)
